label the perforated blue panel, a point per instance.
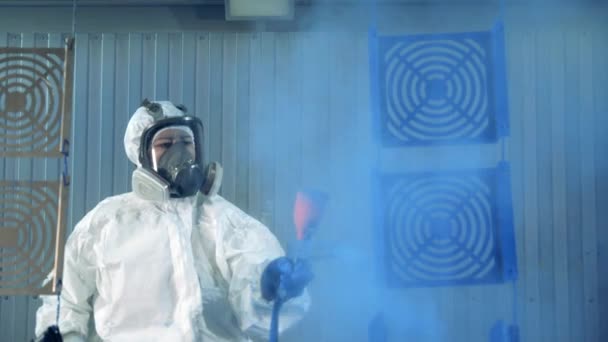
(448, 228)
(439, 89)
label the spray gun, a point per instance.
(308, 210)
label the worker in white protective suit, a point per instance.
(172, 260)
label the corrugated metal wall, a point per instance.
(558, 148)
(285, 110)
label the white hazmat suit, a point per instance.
(186, 269)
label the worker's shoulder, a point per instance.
(235, 215)
(112, 206)
(224, 205)
(118, 203)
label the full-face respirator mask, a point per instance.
(171, 157)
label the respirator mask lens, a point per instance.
(173, 156)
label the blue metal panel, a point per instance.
(600, 122)
(374, 83)
(188, 81)
(439, 88)
(79, 123)
(500, 80)
(242, 121)
(203, 70)
(92, 142)
(148, 67)
(214, 125)
(138, 73)
(447, 228)
(106, 116)
(162, 66)
(228, 109)
(504, 219)
(175, 65)
(263, 119)
(120, 111)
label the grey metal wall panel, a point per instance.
(600, 122)
(284, 110)
(555, 181)
(242, 101)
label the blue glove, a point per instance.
(285, 279)
(52, 334)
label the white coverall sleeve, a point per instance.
(78, 288)
(73, 337)
(247, 250)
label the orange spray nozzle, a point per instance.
(307, 211)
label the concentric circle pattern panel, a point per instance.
(31, 101)
(35, 124)
(28, 232)
(437, 89)
(441, 228)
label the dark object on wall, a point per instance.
(377, 329)
(439, 88)
(503, 332)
